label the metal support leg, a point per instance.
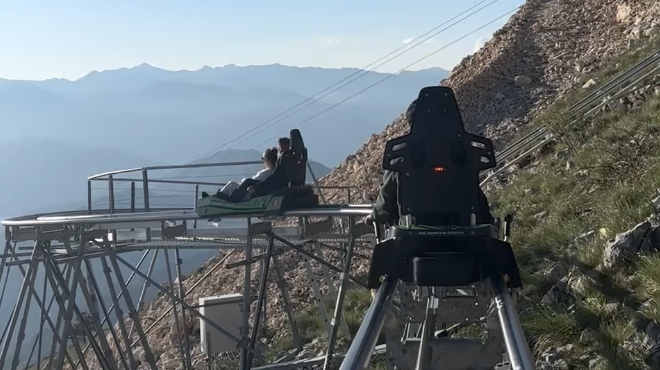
(241, 343)
(152, 264)
(94, 291)
(286, 302)
(9, 331)
(148, 281)
(53, 275)
(44, 316)
(100, 331)
(72, 302)
(177, 326)
(247, 294)
(303, 252)
(56, 280)
(184, 317)
(260, 300)
(120, 316)
(317, 294)
(343, 282)
(21, 329)
(131, 308)
(428, 328)
(331, 287)
(2, 269)
(360, 352)
(514, 337)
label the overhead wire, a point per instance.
(389, 76)
(361, 73)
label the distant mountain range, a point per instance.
(169, 117)
(184, 195)
(56, 133)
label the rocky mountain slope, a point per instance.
(545, 49)
(542, 51)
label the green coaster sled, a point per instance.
(275, 204)
(268, 205)
(296, 196)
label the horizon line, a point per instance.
(204, 67)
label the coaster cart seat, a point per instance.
(296, 195)
(439, 165)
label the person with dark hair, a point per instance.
(269, 159)
(276, 180)
(283, 144)
(387, 210)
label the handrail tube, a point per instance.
(174, 167)
(517, 347)
(161, 181)
(125, 211)
(202, 165)
(117, 172)
(165, 181)
(361, 350)
(179, 214)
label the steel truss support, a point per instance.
(84, 301)
(412, 338)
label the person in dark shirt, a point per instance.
(276, 180)
(279, 178)
(387, 208)
(269, 158)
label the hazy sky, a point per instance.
(42, 39)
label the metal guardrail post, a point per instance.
(145, 196)
(111, 203)
(195, 203)
(111, 195)
(132, 196)
(132, 199)
(89, 197)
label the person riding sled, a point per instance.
(269, 158)
(276, 180)
(387, 210)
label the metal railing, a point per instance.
(111, 179)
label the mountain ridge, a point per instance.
(163, 116)
(105, 123)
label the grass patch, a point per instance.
(597, 181)
(547, 327)
(567, 210)
(312, 327)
